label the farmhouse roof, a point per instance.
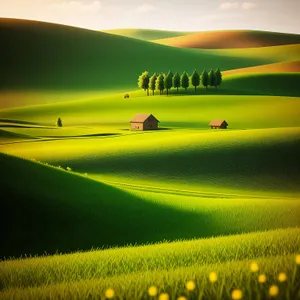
(217, 123)
(140, 118)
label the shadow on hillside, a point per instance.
(18, 122)
(79, 136)
(57, 211)
(21, 126)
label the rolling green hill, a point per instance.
(146, 34)
(43, 56)
(53, 210)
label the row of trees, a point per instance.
(161, 82)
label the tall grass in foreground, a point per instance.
(130, 271)
(273, 277)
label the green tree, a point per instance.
(143, 81)
(152, 82)
(195, 78)
(184, 80)
(176, 81)
(59, 122)
(212, 78)
(218, 78)
(159, 84)
(168, 81)
(204, 78)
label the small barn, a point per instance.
(218, 124)
(144, 122)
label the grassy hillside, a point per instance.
(101, 61)
(283, 67)
(281, 84)
(60, 211)
(228, 39)
(146, 34)
(131, 271)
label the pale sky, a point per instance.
(182, 15)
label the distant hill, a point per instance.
(146, 34)
(230, 39)
(44, 56)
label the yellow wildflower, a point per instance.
(298, 259)
(282, 277)
(273, 290)
(109, 293)
(213, 277)
(163, 296)
(152, 291)
(262, 278)
(190, 286)
(237, 294)
(254, 267)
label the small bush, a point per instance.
(59, 122)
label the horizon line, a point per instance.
(153, 29)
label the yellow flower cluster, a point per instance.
(236, 294)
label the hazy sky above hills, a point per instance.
(185, 15)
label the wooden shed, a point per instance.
(218, 124)
(144, 122)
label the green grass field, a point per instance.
(92, 205)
